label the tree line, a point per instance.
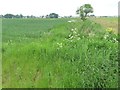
(83, 12)
(51, 15)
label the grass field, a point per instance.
(108, 22)
(58, 53)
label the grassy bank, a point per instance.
(44, 53)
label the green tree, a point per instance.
(53, 15)
(21, 16)
(84, 10)
(9, 16)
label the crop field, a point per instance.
(59, 53)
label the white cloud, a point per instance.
(62, 7)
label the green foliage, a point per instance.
(53, 15)
(8, 16)
(0, 53)
(84, 10)
(53, 53)
(12, 16)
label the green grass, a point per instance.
(44, 53)
(27, 28)
(0, 53)
(108, 22)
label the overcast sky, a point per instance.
(61, 7)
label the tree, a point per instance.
(16, 16)
(84, 11)
(9, 16)
(21, 16)
(47, 16)
(43, 16)
(13, 16)
(1, 16)
(53, 15)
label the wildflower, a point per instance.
(72, 29)
(106, 36)
(74, 32)
(91, 34)
(75, 28)
(60, 45)
(110, 30)
(73, 20)
(83, 36)
(71, 37)
(115, 39)
(69, 21)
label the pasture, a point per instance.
(58, 53)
